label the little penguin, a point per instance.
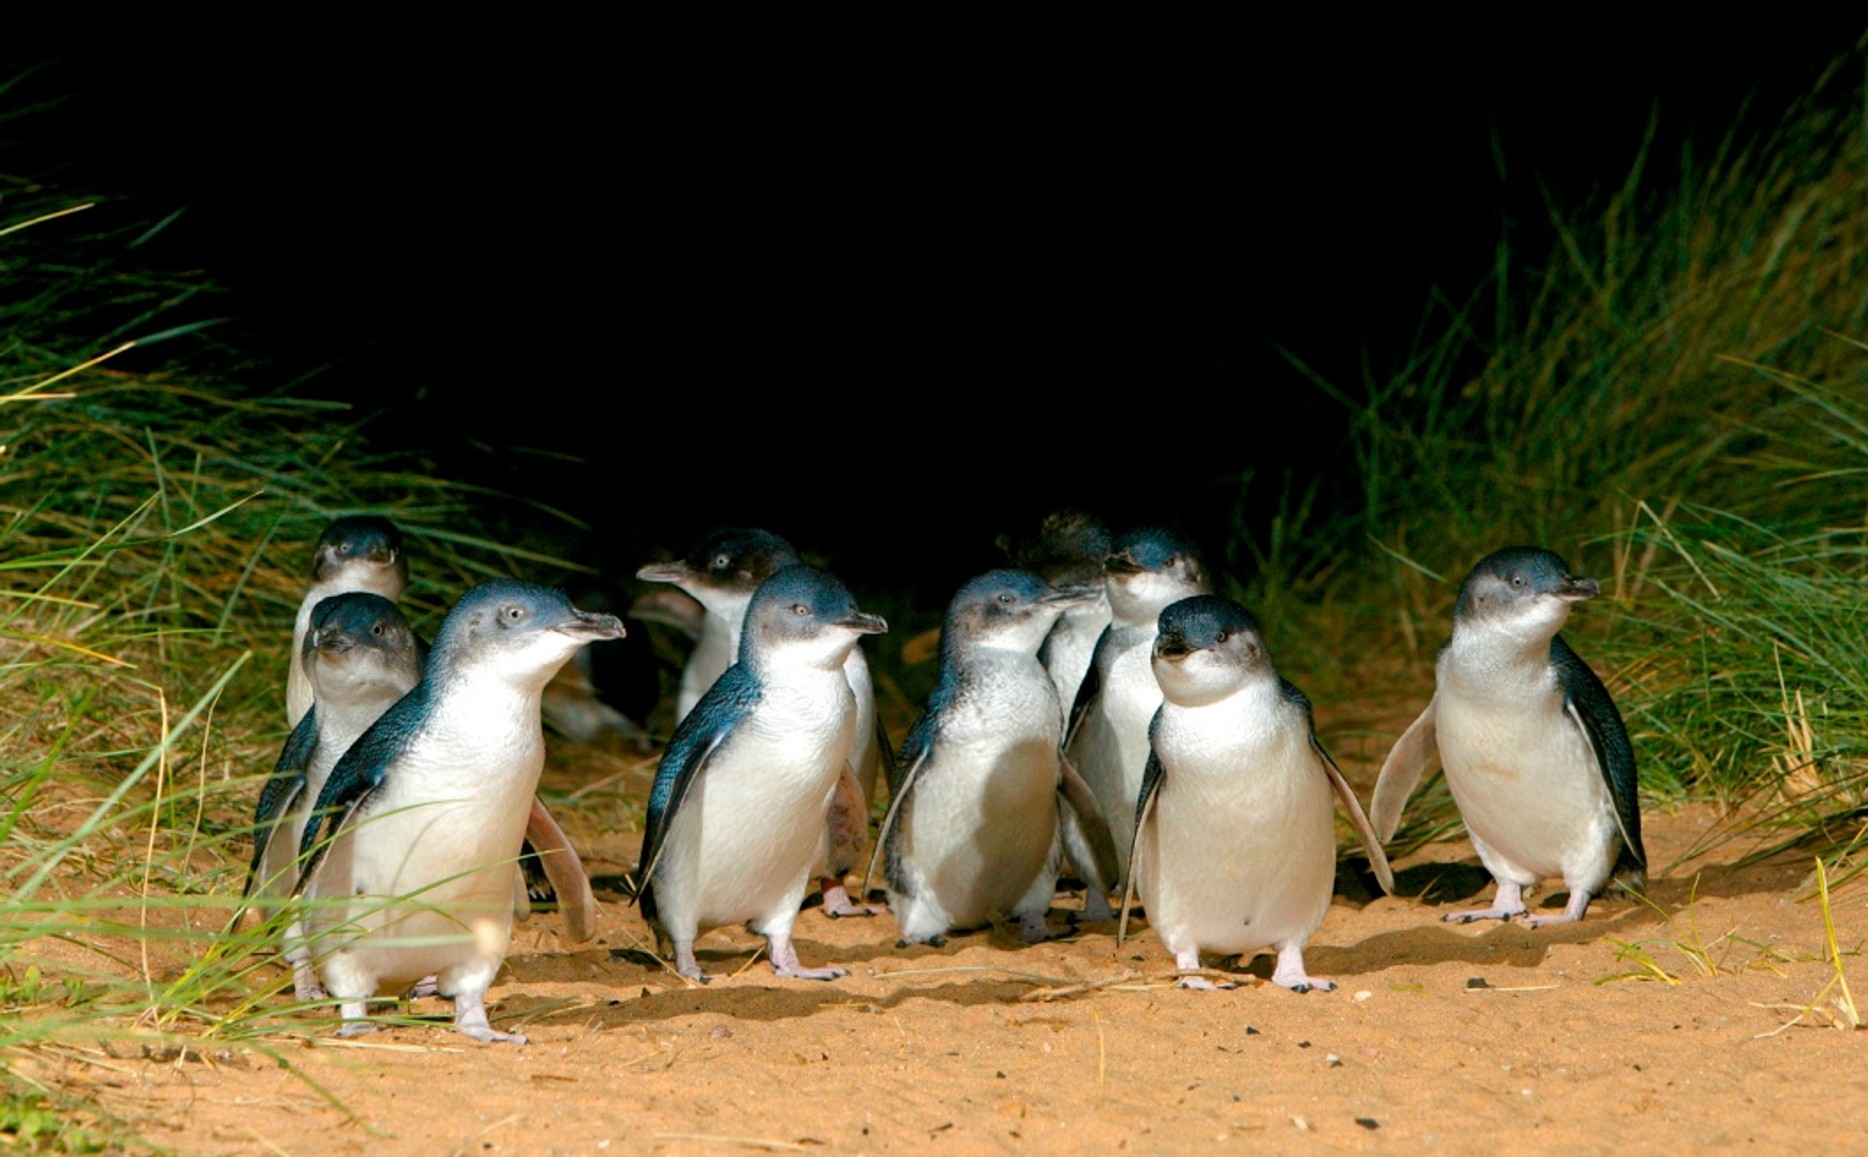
(737, 815)
(975, 830)
(359, 657)
(1107, 738)
(722, 573)
(411, 855)
(1068, 551)
(1235, 844)
(1534, 751)
(359, 553)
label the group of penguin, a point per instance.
(1098, 714)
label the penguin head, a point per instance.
(356, 640)
(726, 568)
(1524, 591)
(1068, 549)
(519, 632)
(362, 552)
(1150, 569)
(1206, 649)
(803, 616)
(1007, 609)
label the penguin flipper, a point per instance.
(282, 790)
(1401, 772)
(1371, 843)
(885, 835)
(576, 902)
(1087, 839)
(699, 735)
(1091, 688)
(1590, 705)
(1152, 776)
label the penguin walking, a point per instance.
(1235, 843)
(411, 855)
(1107, 740)
(1534, 751)
(737, 815)
(976, 829)
(721, 574)
(359, 657)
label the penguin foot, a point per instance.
(837, 904)
(1572, 912)
(305, 986)
(1096, 908)
(785, 962)
(930, 941)
(1507, 903)
(1290, 972)
(687, 966)
(356, 1028)
(1033, 930)
(426, 986)
(1202, 984)
(470, 1020)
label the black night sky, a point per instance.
(870, 289)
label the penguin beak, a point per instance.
(335, 644)
(1173, 648)
(1067, 597)
(864, 623)
(1122, 563)
(1577, 589)
(663, 572)
(595, 627)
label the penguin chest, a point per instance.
(422, 878)
(1070, 646)
(716, 650)
(1525, 777)
(1111, 748)
(981, 823)
(1240, 850)
(743, 843)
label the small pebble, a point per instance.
(1365, 994)
(1301, 1123)
(1477, 982)
(1368, 1122)
(1336, 1062)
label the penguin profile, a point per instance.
(411, 854)
(976, 828)
(722, 574)
(737, 816)
(1533, 749)
(1235, 838)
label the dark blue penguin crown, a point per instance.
(501, 604)
(358, 615)
(1527, 569)
(1155, 549)
(993, 594)
(356, 536)
(755, 554)
(1200, 622)
(799, 601)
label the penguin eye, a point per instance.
(377, 630)
(800, 609)
(1005, 598)
(512, 613)
(722, 561)
(1221, 637)
(1517, 580)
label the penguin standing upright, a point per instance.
(737, 815)
(1235, 841)
(1534, 751)
(427, 810)
(975, 831)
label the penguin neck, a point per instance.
(1496, 658)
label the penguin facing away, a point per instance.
(1235, 837)
(1068, 550)
(1533, 749)
(427, 810)
(737, 814)
(976, 829)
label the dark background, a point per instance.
(888, 291)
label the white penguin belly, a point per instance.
(1111, 748)
(1240, 852)
(1072, 643)
(743, 843)
(1527, 784)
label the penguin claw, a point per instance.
(1202, 984)
(931, 942)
